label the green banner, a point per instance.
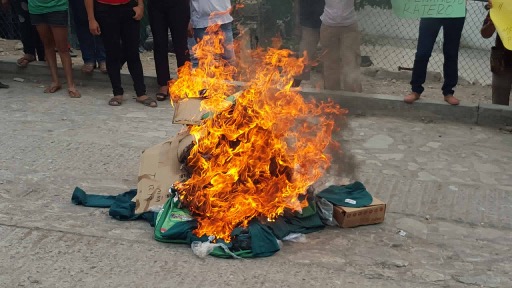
(429, 8)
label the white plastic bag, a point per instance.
(203, 249)
(296, 237)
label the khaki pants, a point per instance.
(341, 57)
(501, 87)
(308, 43)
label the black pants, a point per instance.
(167, 15)
(29, 37)
(118, 26)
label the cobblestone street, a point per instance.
(448, 186)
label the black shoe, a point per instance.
(2, 85)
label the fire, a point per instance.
(256, 158)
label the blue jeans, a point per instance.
(429, 29)
(227, 29)
(191, 42)
(91, 46)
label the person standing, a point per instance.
(309, 18)
(164, 16)
(207, 13)
(341, 42)
(501, 65)
(32, 45)
(118, 23)
(51, 20)
(428, 31)
(93, 52)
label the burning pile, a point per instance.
(256, 157)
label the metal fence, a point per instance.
(388, 41)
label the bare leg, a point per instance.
(60, 35)
(46, 36)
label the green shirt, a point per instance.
(46, 6)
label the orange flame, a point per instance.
(257, 157)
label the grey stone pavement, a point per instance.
(448, 187)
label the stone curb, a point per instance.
(40, 69)
(359, 104)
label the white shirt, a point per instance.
(204, 13)
(339, 13)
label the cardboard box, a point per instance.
(188, 111)
(351, 217)
(159, 169)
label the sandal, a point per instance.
(147, 102)
(103, 67)
(73, 93)
(161, 96)
(25, 60)
(52, 89)
(88, 68)
(116, 101)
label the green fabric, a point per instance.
(121, 206)
(307, 222)
(263, 242)
(353, 195)
(174, 225)
(47, 6)
(308, 211)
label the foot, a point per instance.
(411, 98)
(88, 68)
(116, 100)
(450, 99)
(147, 101)
(72, 54)
(3, 86)
(73, 93)
(54, 87)
(25, 60)
(103, 67)
(163, 94)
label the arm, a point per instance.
(139, 10)
(5, 5)
(94, 27)
(488, 29)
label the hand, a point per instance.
(5, 5)
(190, 30)
(94, 27)
(139, 12)
(490, 3)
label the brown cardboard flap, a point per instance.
(188, 111)
(159, 169)
(374, 203)
(347, 217)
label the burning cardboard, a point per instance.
(160, 167)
